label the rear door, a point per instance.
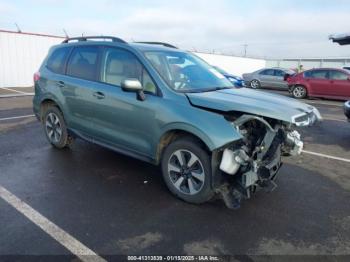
(279, 81)
(267, 78)
(78, 87)
(340, 83)
(318, 82)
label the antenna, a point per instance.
(65, 33)
(18, 29)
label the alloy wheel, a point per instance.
(299, 91)
(53, 128)
(186, 172)
(254, 84)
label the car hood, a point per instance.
(258, 103)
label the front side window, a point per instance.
(185, 72)
(83, 62)
(118, 65)
(267, 72)
(57, 59)
(337, 75)
(320, 74)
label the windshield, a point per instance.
(222, 71)
(185, 72)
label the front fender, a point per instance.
(214, 130)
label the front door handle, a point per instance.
(99, 95)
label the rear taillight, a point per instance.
(36, 77)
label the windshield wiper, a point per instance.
(202, 90)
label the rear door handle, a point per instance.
(99, 95)
(60, 84)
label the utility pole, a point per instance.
(245, 49)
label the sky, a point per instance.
(269, 28)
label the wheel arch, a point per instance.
(45, 103)
(173, 134)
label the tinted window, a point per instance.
(57, 59)
(337, 75)
(118, 65)
(268, 72)
(83, 62)
(279, 73)
(319, 74)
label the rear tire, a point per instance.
(55, 128)
(255, 84)
(186, 169)
(299, 92)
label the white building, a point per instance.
(22, 53)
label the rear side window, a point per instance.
(279, 73)
(337, 75)
(83, 62)
(57, 59)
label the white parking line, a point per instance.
(13, 90)
(334, 119)
(66, 240)
(327, 156)
(340, 104)
(15, 117)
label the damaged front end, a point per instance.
(254, 161)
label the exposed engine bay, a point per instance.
(254, 161)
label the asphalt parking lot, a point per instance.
(111, 204)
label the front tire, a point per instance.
(299, 92)
(255, 84)
(55, 128)
(186, 171)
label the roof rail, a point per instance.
(86, 38)
(158, 43)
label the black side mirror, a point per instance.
(133, 85)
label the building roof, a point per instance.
(27, 33)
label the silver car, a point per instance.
(268, 77)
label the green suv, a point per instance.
(168, 107)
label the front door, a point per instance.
(119, 118)
(319, 82)
(267, 78)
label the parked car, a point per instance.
(347, 110)
(268, 77)
(235, 80)
(321, 82)
(343, 39)
(170, 108)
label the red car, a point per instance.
(321, 82)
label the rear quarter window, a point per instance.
(57, 59)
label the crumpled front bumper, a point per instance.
(307, 118)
